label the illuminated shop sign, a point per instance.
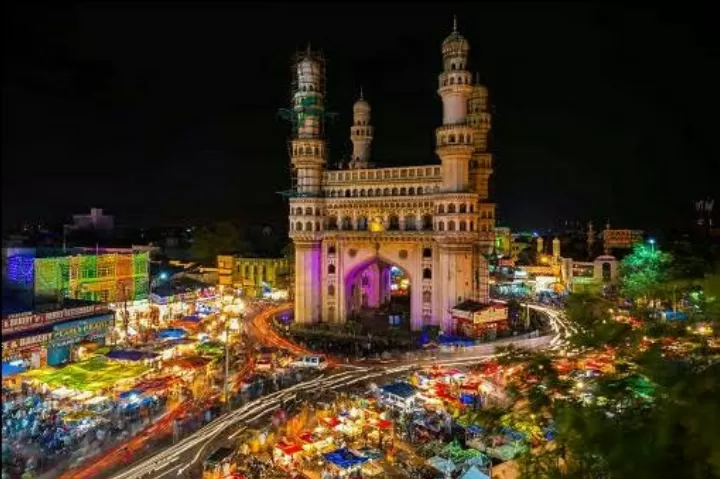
(25, 321)
(29, 342)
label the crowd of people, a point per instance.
(40, 432)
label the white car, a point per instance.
(312, 362)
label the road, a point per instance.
(185, 458)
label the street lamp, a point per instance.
(652, 244)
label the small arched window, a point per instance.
(362, 223)
(451, 225)
(411, 191)
(394, 191)
(331, 269)
(298, 226)
(427, 253)
(441, 209)
(463, 208)
(355, 193)
(363, 192)
(347, 193)
(419, 190)
(463, 226)
(331, 290)
(427, 223)
(441, 226)
(403, 192)
(308, 226)
(451, 208)
(427, 273)
(472, 226)
(308, 211)
(386, 192)
(331, 250)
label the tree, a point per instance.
(594, 322)
(644, 272)
(220, 238)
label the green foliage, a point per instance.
(220, 238)
(655, 415)
(595, 324)
(644, 272)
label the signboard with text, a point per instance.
(25, 321)
(621, 238)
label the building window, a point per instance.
(331, 250)
(331, 290)
(427, 273)
(427, 252)
(331, 269)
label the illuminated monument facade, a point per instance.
(433, 222)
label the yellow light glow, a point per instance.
(376, 225)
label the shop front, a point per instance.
(26, 350)
(67, 337)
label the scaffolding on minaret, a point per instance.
(309, 106)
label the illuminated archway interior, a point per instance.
(378, 288)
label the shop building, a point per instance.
(53, 334)
(257, 277)
(473, 319)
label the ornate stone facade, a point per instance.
(435, 222)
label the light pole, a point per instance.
(652, 244)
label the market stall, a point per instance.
(285, 454)
(344, 461)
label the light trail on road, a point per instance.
(260, 407)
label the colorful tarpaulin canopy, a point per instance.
(171, 333)
(10, 369)
(474, 473)
(402, 390)
(130, 355)
(288, 448)
(344, 458)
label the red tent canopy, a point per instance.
(332, 421)
(383, 424)
(288, 448)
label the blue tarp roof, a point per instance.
(11, 370)
(130, 354)
(171, 333)
(451, 340)
(344, 458)
(403, 390)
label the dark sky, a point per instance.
(165, 113)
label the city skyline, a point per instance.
(593, 127)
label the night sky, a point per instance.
(167, 113)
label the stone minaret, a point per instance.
(308, 157)
(361, 134)
(455, 137)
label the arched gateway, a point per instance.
(351, 226)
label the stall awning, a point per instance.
(402, 390)
(474, 473)
(171, 333)
(10, 369)
(130, 355)
(344, 458)
(383, 424)
(332, 421)
(288, 448)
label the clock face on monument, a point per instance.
(376, 225)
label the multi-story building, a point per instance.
(350, 227)
(255, 276)
(102, 277)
